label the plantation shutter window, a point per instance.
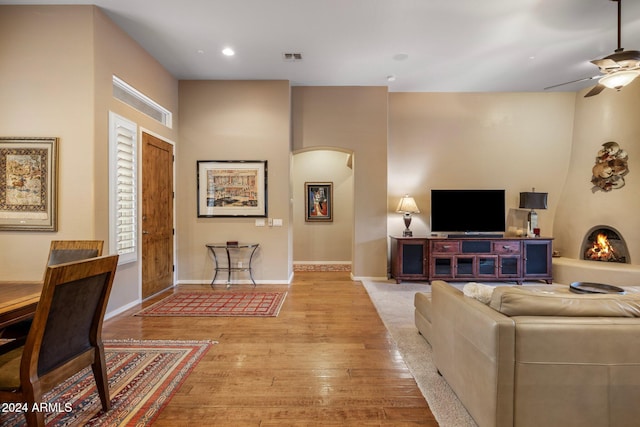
(123, 194)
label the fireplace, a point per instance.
(604, 244)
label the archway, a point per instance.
(324, 245)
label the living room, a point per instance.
(401, 143)
(58, 82)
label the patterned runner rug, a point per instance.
(227, 304)
(143, 376)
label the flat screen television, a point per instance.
(468, 211)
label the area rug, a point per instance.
(143, 376)
(227, 304)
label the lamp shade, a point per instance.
(533, 200)
(619, 79)
(407, 205)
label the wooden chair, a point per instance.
(62, 251)
(65, 336)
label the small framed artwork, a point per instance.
(232, 188)
(318, 201)
(28, 184)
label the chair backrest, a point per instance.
(68, 320)
(62, 251)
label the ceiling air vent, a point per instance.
(292, 57)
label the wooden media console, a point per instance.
(513, 259)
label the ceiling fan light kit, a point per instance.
(619, 79)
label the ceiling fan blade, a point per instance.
(621, 55)
(595, 90)
(573, 81)
(606, 64)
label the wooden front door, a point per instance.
(157, 215)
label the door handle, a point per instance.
(145, 232)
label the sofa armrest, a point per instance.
(473, 348)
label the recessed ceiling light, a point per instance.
(391, 78)
(227, 51)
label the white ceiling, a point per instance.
(428, 45)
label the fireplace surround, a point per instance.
(604, 244)
(618, 272)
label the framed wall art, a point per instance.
(28, 184)
(232, 188)
(318, 201)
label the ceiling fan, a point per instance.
(616, 70)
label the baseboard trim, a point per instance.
(121, 310)
(370, 279)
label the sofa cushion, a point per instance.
(558, 300)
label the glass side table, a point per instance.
(236, 250)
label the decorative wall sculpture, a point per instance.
(610, 167)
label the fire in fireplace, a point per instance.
(601, 250)
(605, 244)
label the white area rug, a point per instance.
(394, 303)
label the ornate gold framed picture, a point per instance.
(28, 184)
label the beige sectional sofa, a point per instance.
(537, 356)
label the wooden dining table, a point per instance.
(18, 302)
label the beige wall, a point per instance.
(511, 141)
(323, 241)
(46, 87)
(55, 80)
(610, 116)
(234, 120)
(355, 119)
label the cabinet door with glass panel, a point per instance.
(509, 257)
(487, 266)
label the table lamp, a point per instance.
(407, 206)
(532, 200)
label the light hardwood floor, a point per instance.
(326, 360)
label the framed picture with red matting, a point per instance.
(318, 201)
